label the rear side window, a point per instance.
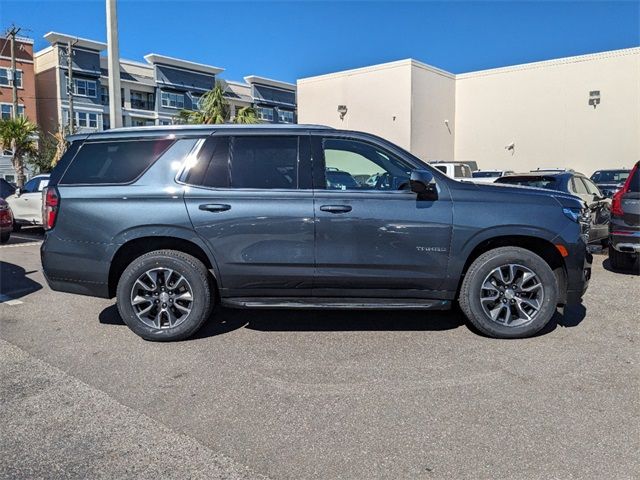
(114, 162)
(538, 182)
(577, 186)
(264, 162)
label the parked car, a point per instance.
(26, 203)
(575, 184)
(170, 220)
(624, 236)
(490, 176)
(6, 221)
(6, 188)
(456, 170)
(610, 181)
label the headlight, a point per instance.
(582, 217)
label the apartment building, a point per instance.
(153, 91)
(25, 81)
(579, 112)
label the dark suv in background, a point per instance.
(171, 220)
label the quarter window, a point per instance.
(113, 162)
(355, 165)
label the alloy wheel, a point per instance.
(161, 298)
(512, 295)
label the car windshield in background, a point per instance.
(550, 183)
(610, 176)
(486, 174)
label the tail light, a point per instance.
(616, 200)
(50, 207)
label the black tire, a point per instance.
(16, 227)
(470, 292)
(192, 270)
(621, 260)
(4, 237)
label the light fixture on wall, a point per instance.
(594, 98)
(446, 122)
(342, 110)
(511, 148)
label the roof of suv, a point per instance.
(187, 129)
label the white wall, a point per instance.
(432, 102)
(377, 98)
(543, 108)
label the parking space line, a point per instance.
(25, 244)
(7, 300)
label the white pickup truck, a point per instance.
(456, 170)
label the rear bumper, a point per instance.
(75, 267)
(624, 237)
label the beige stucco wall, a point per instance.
(432, 103)
(543, 109)
(378, 100)
(540, 107)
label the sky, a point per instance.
(297, 39)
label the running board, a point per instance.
(337, 303)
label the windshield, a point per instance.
(610, 176)
(550, 183)
(486, 174)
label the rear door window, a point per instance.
(262, 162)
(113, 162)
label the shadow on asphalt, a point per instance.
(225, 320)
(635, 270)
(14, 282)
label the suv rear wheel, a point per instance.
(509, 292)
(165, 295)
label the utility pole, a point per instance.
(12, 36)
(113, 52)
(70, 86)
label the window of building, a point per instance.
(142, 100)
(104, 95)
(265, 114)
(84, 88)
(113, 162)
(195, 101)
(141, 122)
(83, 119)
(6, 111)
(355, 165)
(285, 116)
(172, 100)
(247, 162)
(165, 122)
(5, 77)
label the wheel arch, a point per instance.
(542, 247)
(132, 249)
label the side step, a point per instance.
(337, 303)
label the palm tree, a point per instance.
(215, 109)
(246, 115)
(20, 136)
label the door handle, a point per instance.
(215, 207)
(336, 208)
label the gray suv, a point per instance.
(172, 220)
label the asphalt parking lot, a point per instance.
(294, 395)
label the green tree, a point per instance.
(214, 109)
(20, 136)
(50, 148)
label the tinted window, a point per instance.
(354, 165)
(480, 174)
(264, 162)
(31, 186)
(441, 168)
(113, 162)
(634, 184)
(549, 183)
(610, 176)
(269, 162)
(577, 186)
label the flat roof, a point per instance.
(155, 58)
(251, 79)
(55, 37)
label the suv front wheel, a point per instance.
(165, 295)
(509, 292)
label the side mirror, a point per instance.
(424, 185)
(18, 192)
